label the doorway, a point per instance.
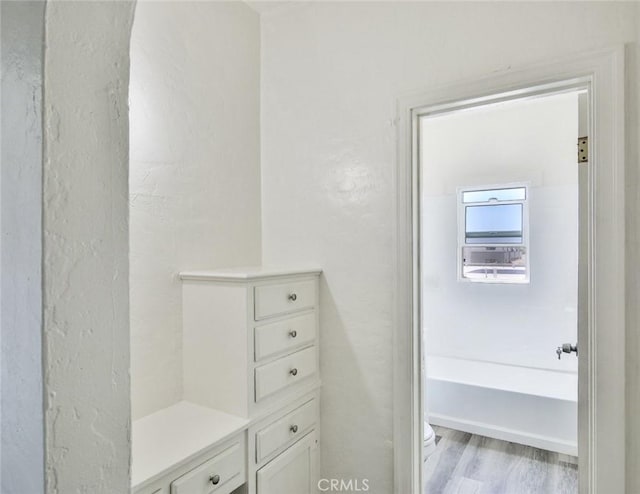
(499, 249)
(601, 323)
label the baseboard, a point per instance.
(504, 434)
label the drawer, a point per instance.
(284, 298)
(285, 430)
(227, 468)
(152, 490)
(282, 336)
(284, 372)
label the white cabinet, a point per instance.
(250, 343)
(250, 338)
(292, 471)
(251, 382)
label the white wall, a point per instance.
(531, 141)
(194, 172)
(22, 415)
(331, 73)
(632, 197)
(85, 250)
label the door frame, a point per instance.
(601, 338)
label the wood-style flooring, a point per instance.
(469, 464)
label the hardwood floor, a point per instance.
(469, 464)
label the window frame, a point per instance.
(462, 234)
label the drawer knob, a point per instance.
(293, 372)
(294, 428)
(293, 333)
(214, 479)
(293, 297)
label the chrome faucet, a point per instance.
(566, 348)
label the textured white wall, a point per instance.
(86, 299)
(331, 73)
(22, 443)
(194, 172)
(530, 141)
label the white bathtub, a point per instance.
(525, 405)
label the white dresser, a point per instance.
(250, 416)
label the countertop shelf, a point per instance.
(247, 273)
(175, 435)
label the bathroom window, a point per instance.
(493, 234)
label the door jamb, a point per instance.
(602, 459)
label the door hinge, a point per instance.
(583, 149)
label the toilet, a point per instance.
(429, 440)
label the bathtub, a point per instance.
(531, 406)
